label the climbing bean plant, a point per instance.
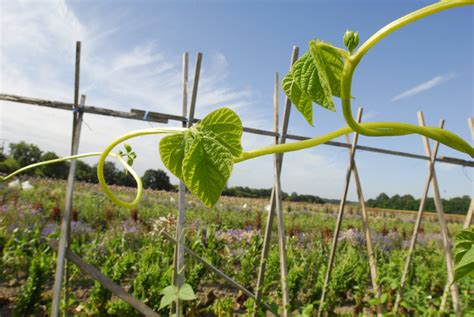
(203, 155)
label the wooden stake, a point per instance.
(340, 215)
(66, 220)
(443, 226)
(178, 277)
(468, 220)
(182, 188)
(368, 238)
(271, 212)
(416, 227)
(279, 211)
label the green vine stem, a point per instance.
(392, 128)
(58, 160)
(111, 146)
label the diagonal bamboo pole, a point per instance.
(368, 238)
(271, 212)
(106, 282)
(416, 227)
(219, 272)
(340, 215)
(443, 226)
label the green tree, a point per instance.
(57, 170)
(85, 172)
(156, 179)
(9, 166)
(125, 179)
(25, 154)
(111, 173)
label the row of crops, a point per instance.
(127, 246)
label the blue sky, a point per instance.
(132, 54)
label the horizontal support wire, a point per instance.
(158, 117)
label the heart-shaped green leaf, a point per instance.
(463, 252)
(186, 292)
(206, 168)
(170, 294)
(203, 157)
(315, 77)
(226, 128)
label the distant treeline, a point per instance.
(265, 193)
(456, 205)
(23, 154)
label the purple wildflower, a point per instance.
(353, 236)
(48, 229)
(129, 227)
(79, 227)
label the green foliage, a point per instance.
(172, 293)
(223, 307)
(128, 154)
(31, 291)
(351, 40)
(203, 157)
(25, 154)
(156, 179)
(455, 205)
(315, 77)
(59, 170)
(464, 254)
(9, 165)
(85, 172)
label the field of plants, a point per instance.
(127, 247)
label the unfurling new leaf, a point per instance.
(203, 157)
(315, 77)
(351, 40)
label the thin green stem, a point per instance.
(407, 19)
(58, 160)
(110, 147)
(68, 158)
(290, 147)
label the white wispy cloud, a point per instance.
(427, 85)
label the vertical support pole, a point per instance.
(368, 238)
(182, 188)
(279, 209)
(443, 226)
(468, 220)
(179, 247)
(340, 215)
(271, 212)
(66, 219)
(416, 227)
